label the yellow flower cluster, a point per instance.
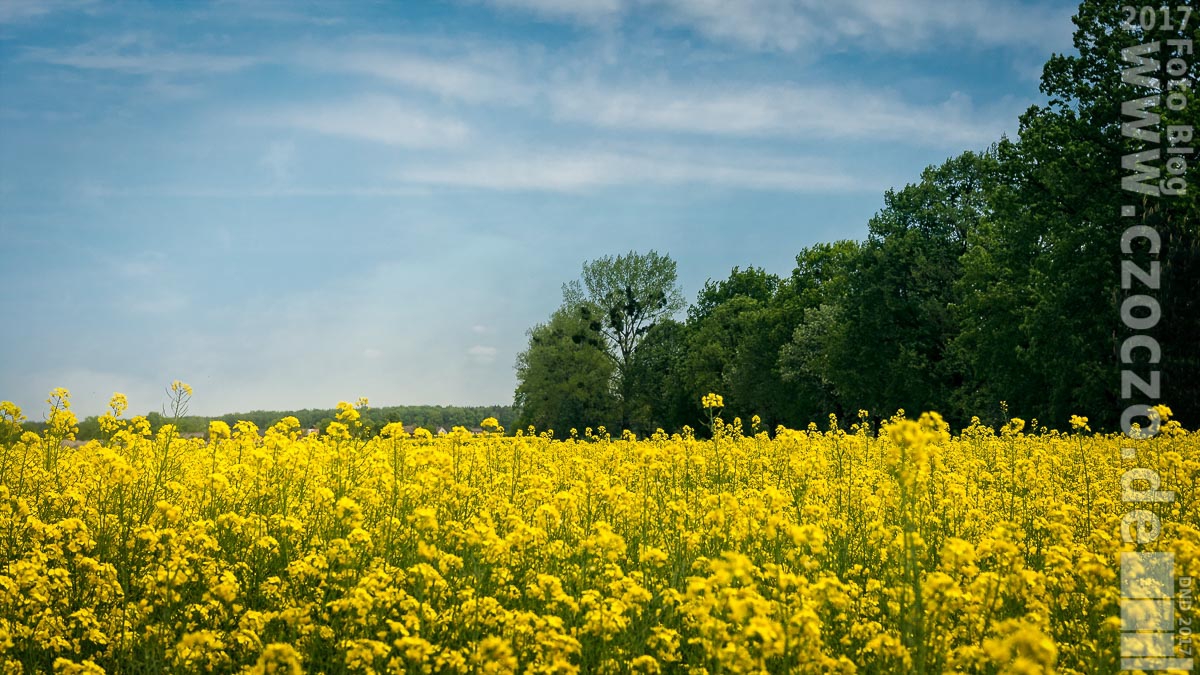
(859, 550)
(712, 401)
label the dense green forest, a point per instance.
(430, 417)
(991, 287)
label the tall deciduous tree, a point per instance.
(1042, 287)
(620, 298)
(562, 382)
(898, 311)
(662, 396)
(818, 291)
(753, 282)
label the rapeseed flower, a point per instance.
(805, 550)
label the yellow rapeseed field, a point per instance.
(849, 549)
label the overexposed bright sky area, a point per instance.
(288, 204)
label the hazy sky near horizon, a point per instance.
(288, 204)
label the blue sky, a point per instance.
(288, 204)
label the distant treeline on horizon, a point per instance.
(430, 417)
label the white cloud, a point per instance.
(222, 236)
(146, 64)
(806, 112)
(758, 24)
(584, 11)
(379, 119)
(476, 76)
(490, 74)
(138, 54)
(585, 169)
(807, 25)
(13, 11)
(929, 25)
(481, 73)
(274, 12)
(372, 353)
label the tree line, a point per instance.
(990, 288)
(430, 417)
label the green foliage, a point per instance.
(753, 283)
(564, 381)
(618, 300)
(897, 318)
(1040, 286)
(661, 396)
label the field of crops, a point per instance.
(845, 549)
